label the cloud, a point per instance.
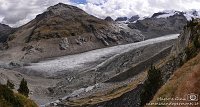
(19, 12)
(116, 8)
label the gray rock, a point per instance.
(78, 42)
(155, 27)
(27, 48)
(121, 19)
(15, 64)
(134, 18)
(105, 42)
(5, 30)
(109, 19)
(64, 44)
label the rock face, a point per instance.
(109, 19)
(154, 27)
(158, 14)
(64, 44)
(5, 30)
(164, 22)
(134, 18)
(121, 19)
(84, 32)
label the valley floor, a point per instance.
(79, 71)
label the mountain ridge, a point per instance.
(5, 30)
(68, 30)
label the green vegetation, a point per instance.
(23, 88)
(7, 98)
(151, 85)
(190, 52)
(10, 99)
(25, 102)
(194, 42)
(192, 23)
(193, 47)
(10, 84)
(184, 80)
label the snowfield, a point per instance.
(79, 61)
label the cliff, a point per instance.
(184, 82)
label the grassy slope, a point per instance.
(26, 102)
(185, 80)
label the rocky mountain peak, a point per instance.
(134, 18)
(195, 13)
(4, 26)
(121, 19)
(65, 8)
(5, 30)
(108, 19)
(62, 10)
(62, 20)
(168, 13)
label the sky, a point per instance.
(18, 12)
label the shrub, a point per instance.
(10, 85)
(196, 42)
(190, 52)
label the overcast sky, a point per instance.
(19, 12)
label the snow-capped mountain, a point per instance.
(167, 13)
(128, 19)
(162, 14)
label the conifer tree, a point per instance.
(151, 85)
(23, 88)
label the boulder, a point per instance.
(64, 44)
